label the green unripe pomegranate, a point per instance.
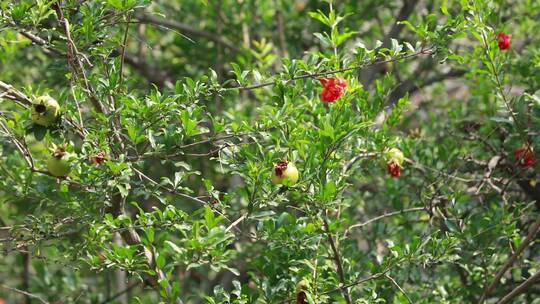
(285, 173)
(45, 110)
(301, 292)
(302, 286)
(57, 164)
(394, 155)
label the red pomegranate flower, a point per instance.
(524, 157)
(504, 41)
(394, 169)
(333, 88)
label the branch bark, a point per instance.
(521, 288)
(406, 10)
(338, 262)
(530, 237)
(188, 30)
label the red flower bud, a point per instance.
(524, 157)
(504, 41)
(394, 169)
(333, 88)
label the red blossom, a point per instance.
(333, 88)
(394, 169)
(524, 157)
(504, 41)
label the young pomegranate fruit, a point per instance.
(301, 288)
(45, 110)
(394, 159)
(285, 173)
(57, 164)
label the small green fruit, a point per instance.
(45, 110)
(302, 286)
(394, 155)
(285, 172)
(57, 164)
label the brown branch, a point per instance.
(156, 76)
(41, 42)
(406, 10)
(530, 237)
(368, 63)
(412, 84)
(520, 288)
(398, 287)
(25, 276)
(74, 60)
(187, 29)
(338, 262)
(26, 293)
(281, 30)
(123, 53)
(416, 209)
(120, 293)
(131, 237)
(355, 283)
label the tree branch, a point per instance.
(406, 10)
(26, 293)
(380, 217)
(338, 262)
(521, 288)
(530, 237)
(187, 29)
(398, 287)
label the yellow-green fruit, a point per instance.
(45, 110)
(285, 173)
(57, 164)
(302, 286)
(394, 155)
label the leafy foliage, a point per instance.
(174, 114)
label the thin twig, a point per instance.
(360, 225)
(123, 54)
(398, 287)
(113, 297)
(26, 293)
(355, 283)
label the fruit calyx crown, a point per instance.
(40, 108)
(280, 167)
(59, 153)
